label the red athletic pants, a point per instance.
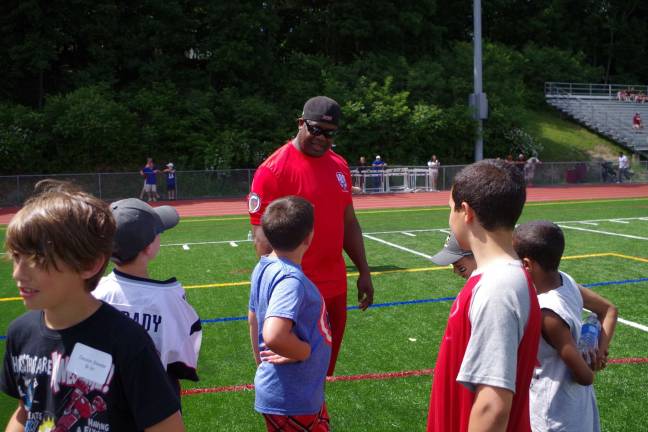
(337, 313)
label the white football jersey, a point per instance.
(161, 308)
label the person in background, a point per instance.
(529, 169)
(433, 167)
(170, 181)
(520, 163)
(362, 168)
(624, 166)
(378, 163)
(150, 181)
(379, 166)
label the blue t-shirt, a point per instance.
(171, 177)
(280, 289)
(150, 175)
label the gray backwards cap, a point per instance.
(322, 109)
(450, 253)
(137, 225)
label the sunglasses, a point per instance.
(317, 131)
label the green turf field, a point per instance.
(607, 244)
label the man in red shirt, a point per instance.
(306, 166)
(489, 349)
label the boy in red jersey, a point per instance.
(307, 167)
(488, 352)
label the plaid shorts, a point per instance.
(302, 423)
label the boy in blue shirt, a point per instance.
(289, 328)
(171, 181)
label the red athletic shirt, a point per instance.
(324, 181)
(451, 402)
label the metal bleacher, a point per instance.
(597, 107)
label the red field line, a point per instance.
(238, 206)
(370, 377)
(628, 360)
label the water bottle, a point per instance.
(588, 343)
(249, 236)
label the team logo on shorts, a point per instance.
(254, 203)
(342, 180)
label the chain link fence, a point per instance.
(14, 190)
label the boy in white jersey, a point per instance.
(158, 306)
(561, 397)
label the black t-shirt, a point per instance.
(134, 395)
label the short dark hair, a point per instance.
(287, 222)
(542, 241)
(494, 189)
(63, 224)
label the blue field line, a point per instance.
(623, 282)
(377, 305)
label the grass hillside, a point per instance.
(565, 140)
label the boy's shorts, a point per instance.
(303, 423)
(150, 187)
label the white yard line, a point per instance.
(411, 232)
(633, 324)
(603, 232)
(207, 243)
(619, 221)
(626, 322)
(397, 246)
(604, 220)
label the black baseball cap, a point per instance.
(137, 225)
(450, 253)
(322, 109)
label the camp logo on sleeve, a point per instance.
(254, 203)
(342, 180)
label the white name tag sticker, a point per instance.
(89, 363)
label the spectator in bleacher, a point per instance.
(624, 165)
(433, 166)
(636, 121)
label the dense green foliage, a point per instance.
(99, 85)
